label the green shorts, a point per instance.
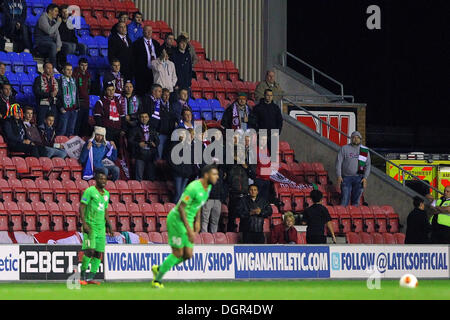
(177, 233)
(95, 241)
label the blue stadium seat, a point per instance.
(205, 109)
(16, 62)
(57, 75)
(93, 99)
(33, 76)
(21, 99)
(92, 46)
(216, 109)
(24, 80)
(72, 59)
(12, 77)
(31, 20)
(30, 65)
(102, 44)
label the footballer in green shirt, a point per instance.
(183, 222)
(95, 220)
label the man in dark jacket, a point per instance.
(15, 29)
(6, 99)
(70, 44)
(253, 210)
(239, 115)
(169, 44)
(268, 114)
(83, 81)
(120, 47)
(417, 226)
(151, 104)
(145, 50)
(237, 176)
(211, 210)
(317, 217)
(16, 135)
(45, 89)
(183, 64)
(143, 141)
(168, 123)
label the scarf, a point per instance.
(48, 86)
(131, 105)
(69, 92)
(362, 158)
(113, 112)
(236, 121)
(118, 82)
(88, 171)
(157, 107)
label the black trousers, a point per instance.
(233, 213)
(82, 128)
(311, 239)
(28, 149)
(253, 237)
(113, 135)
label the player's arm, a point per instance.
(197, 221)
(183, 218)
(82, 209)
(108, 223)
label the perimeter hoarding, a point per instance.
(359, 261)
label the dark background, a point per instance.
(401, 71)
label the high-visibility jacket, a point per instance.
(441, 218)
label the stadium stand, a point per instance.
(43, 194)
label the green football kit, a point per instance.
(94, 215)
(194, 196)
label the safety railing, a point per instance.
(332, 98)
(405, 172)
(314, 70)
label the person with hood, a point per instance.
(95, 151)
(352, 170)
(143, 141)
(16, 134)
(239, 115)
(253, 210)
(135, 28)
(15, 12)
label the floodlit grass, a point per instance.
(230, 290)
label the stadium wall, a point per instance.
(229, 262)
(227, 29)
(311, 147)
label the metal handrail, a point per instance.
(327, 96)
(372, 151)
(286, 54)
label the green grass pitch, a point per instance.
(230, 290)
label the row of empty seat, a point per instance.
(375, 238)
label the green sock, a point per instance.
(170, 262)
(95, 263)
(85, 263)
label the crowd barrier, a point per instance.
(227, 262)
